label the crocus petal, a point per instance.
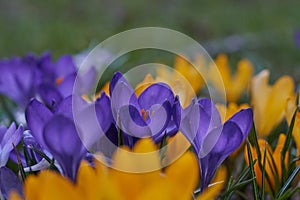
(117, 77)
(37, 115)
(69, 105)
(49, 94)
(211, 110)
(230, 139)
(190, 123)
(269, 108)
(132, 123)
(67, 85)
(94, 121)
(63, 142)
(9, 182)
(243, 119)
(11, 137)
(122, 95)
(198, 120)
(156, 93)
(87, 80)
(64, 66)
(17, 79)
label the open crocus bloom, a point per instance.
(154, 113)
(213, 141)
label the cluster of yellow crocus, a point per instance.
(176, 181)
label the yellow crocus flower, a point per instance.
(268, 101)
(273, 169)
(235, 84)
(191, 74)
(176, 181)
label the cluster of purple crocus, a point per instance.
(62, 128)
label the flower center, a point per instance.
(145, 114)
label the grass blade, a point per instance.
(288, 182)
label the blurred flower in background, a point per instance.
(269, 101)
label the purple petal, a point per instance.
(211, 111)
(156, 93)
(229, 140)
(132, 123)
(87, 81)
(63, 142)
(243, 119)
(9, 182)
(12, 136)
(122, 95)
(17, 79)
(66, 108)
(37, 115)
(190, 124)
(65, 66)
(3, 130)
(117, 77)
(103, 111)
(67, 85)
(49, 94)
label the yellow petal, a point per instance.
(269, 101)
(88, 183)
(189, 72)
(50, 185)
(177, 146)
(14, 196)
(216, 186)
(240, 82)
(290, 108)
(148, 80)
(136, 168)
(184, 173)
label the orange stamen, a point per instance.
(145, 114)
(59, 80)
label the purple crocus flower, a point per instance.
(30, 76)
(8, 137)
(59, 78)
(213, 141)
(18, 78)
(152, 114)
(67, 132)
(56, 132)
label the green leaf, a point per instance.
(288, 182)
(286, 146)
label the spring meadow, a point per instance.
(108, 100)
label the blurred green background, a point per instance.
(262, 31)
